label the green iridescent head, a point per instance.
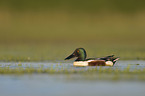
(80, 53)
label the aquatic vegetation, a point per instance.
(86, 73)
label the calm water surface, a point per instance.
(61, 85)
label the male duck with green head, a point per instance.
(81, 60)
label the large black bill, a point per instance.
(69, 57)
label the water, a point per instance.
(62, 85)
(45, 85)
(139, 64)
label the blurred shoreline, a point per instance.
(102, 27)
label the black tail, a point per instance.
(111, 58)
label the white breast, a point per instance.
(80, 63)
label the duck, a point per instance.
(82, 59)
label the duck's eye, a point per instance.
(78, 51)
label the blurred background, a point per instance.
(33, 27)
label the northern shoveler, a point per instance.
(81, 60)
